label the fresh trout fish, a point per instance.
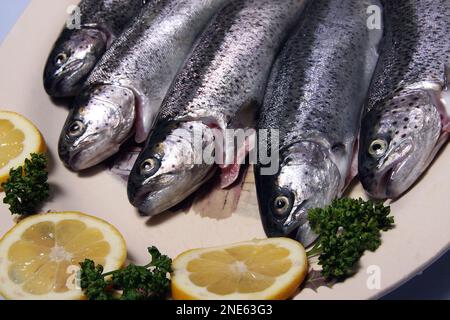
(125, 90)
(409, 104)
(315, 99)
(77, 50)
(220, 87)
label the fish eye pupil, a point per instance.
(378, 148)
(148, 166)
(76, 129)
(60, 58)
(281, 205)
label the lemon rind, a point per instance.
(9, 290)
(33, 143)
(284, 287)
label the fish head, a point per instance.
(398, 139)
(166, 172)
(98, 124)
(72, 60)
(307, 178)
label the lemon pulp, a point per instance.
(19, 138)
(258, 269)
(11, 142)
(242, 269)
(41, 260)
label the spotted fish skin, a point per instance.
(132, 79)
(315, 99)
(226, 74)
(148, 56)
(407, 120)
(77, 50)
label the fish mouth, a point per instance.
(381, 187)
(299, 230)
(289, 229)
(284, 231)
(147, 205)
(76, 163)
(296, 226)
(71, 159)
(78, 160)
(62, 82)
(385, 185)
(151, 200)
(144, 194)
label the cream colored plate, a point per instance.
(422, 216)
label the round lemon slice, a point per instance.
(18, 139)
(40, 256)
(260, 269)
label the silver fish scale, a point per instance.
(415, 47)
(89, 8)
(120, 12)
(143, 57)
(317, 85)
(131, 57)
(231, 63)
(111, 14)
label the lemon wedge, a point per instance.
(18, 139)
(41, 254)
(259, 269)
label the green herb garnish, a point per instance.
(147, 282)
(347, 228)
(27, 187)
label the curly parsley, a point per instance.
(27, 187)
(347, 228)
(147, 282)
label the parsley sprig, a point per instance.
(346, 229)
(27, 187)
(147, 282)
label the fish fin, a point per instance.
(446, 127)
(244, 119)
(444, 106)
(444, 137)
(230, 172)
(215, 202)
(441, 100)
(353, 169)
(446, 77)
(146, 113)
(353, 172)
(123, 163)
(445, 112)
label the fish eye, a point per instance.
(76, 129)
(378, 148)
(281, 205)
(149, 166)
(60, 59)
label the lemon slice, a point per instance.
(18, 139)
(40, 256)
(259, 269)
